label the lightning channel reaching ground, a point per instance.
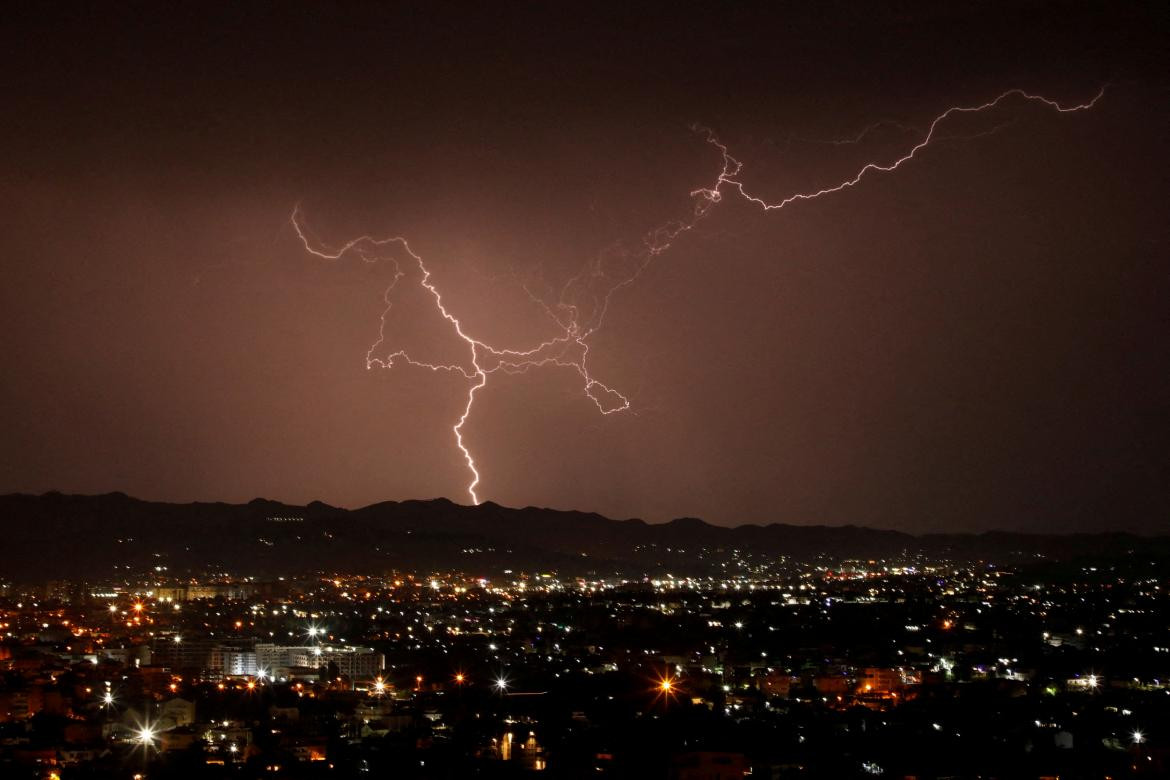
(580, 309)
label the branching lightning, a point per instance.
(580, 309)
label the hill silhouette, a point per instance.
(57, 536)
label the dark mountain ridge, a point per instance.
(57, 536)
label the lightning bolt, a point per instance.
(732, 167)
(579, 310)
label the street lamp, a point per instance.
(145, 736)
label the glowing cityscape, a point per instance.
(643, 391)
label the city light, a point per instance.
(666, 687)
(667, 679)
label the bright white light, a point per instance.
(1138, 737)
(501, 684)
(108, 698)
(146, 735)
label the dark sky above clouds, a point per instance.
(976, 340)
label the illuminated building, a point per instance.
(351, 661)
(238, 663)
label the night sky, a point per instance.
(976, 340)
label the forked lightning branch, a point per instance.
(580, 309)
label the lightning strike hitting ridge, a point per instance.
(581, 306)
